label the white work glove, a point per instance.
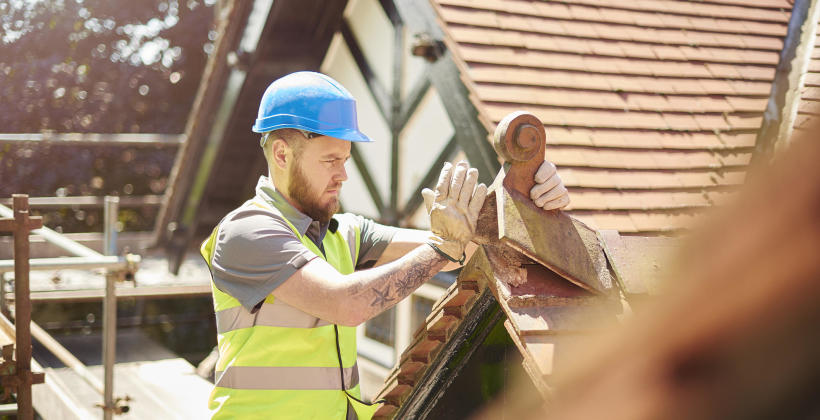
(549, 191)
(453, 209)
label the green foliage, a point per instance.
(101, 66)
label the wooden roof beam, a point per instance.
(781, 110)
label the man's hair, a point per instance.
(291, 136)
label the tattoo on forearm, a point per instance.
(413, 270)
(404, 286)
(382, 297)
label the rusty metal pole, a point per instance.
(4, 305)
(109, 350)
(22, 305)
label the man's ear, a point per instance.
(280, 152)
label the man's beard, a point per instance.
(298, 190)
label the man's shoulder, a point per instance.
(348, 219)
(252, 217)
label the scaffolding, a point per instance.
(20, 379)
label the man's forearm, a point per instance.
(407, 240)
(377, 289)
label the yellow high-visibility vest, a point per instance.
(281, 362)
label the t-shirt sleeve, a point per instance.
(254, 253)
(374, 238)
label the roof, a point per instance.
(551, 275)
(752, 318)
(809, 106)
(651, 110)
(651, 107)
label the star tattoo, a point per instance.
(382, 298)
(404, 286)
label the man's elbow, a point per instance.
(343, 312)
(350, 317)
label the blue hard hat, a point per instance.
(309, 101)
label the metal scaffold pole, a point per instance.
(109, 350)
(22, 307)
(85, 258)
(21, 378)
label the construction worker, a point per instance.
(290, 276)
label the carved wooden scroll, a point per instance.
(520, 139)
(550, 238)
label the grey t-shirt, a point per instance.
(256, 251)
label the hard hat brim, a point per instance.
(278, 122)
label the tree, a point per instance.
(98, 66)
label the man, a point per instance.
(290, 276)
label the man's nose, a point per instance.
(341, 174)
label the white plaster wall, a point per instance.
(414, 67)
(372, 29)
(421, 141)
(425, 134)
(339, 64)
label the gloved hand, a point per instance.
(453, 209)
(549, 192)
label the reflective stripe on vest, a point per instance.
(279, 377)
(269, 315)
(280, 361)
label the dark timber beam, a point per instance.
(784, 98)
(472, 331)
(231, 17)
(395, 112)
(361, 165)
(414, 97)
(383, 99)
(391, 12)
(287, 30)
(429, 179)
(471, 135)
(295, 35)
(469, 132)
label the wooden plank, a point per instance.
(641, 264)
(544, 355)
(551, 320)
(531, 366)
(54, 399)
(166, 388)
(551, 238)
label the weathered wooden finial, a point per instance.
(520, 139)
